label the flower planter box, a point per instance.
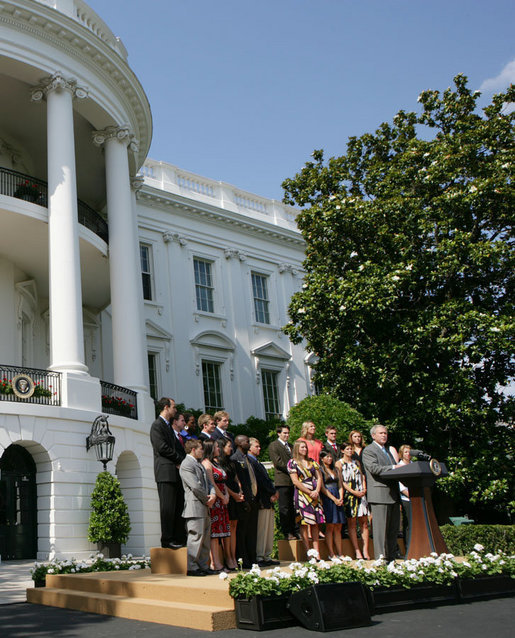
(486, 587)
(260, 613)
(420, 595)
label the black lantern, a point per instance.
(102, 440)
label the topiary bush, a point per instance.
(109, 520)
(325, 410)
(461, 540)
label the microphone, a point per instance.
(423, 456)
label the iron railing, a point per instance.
(119, 400)
(21, 186)
(45, 388)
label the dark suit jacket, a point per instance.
(168, 452)
(266, 488)
(280, 456)
(204, 437)
(329, 448)
(243, 474)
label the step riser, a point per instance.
(167, 590)
(133, 610)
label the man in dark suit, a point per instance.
(383, 495)
(280, 453)
(168, 454)
(246, 531)
(331, 445)
(267, 496)
(207, 426)
(222, 423)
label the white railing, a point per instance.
(80, 11)
(176, 180)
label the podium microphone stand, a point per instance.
(419, 477)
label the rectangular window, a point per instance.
(261, 302)
(203, 285)
(153, 376)
(146, 270)
(270, 393)
(212, 386)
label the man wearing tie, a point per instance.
(248, 510)
(280, 453)
(330, 445)
(221, 419)
(382, 495)
(168, 454)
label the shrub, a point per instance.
(325, 410)
(109, 520)
(461, 540)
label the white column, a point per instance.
(129, 351)
(65, 293)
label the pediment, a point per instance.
(272, 351)
(213, 339)
(156, 332)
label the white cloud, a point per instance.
(502, 81)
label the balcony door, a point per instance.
(18, 504)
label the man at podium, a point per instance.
(382, 495)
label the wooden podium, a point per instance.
(419, 477)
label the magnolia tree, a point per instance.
(408, 293)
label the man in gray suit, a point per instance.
(383, 495)
(199, 496)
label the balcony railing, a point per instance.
(119, 400)
(21, 186)
(30, 385)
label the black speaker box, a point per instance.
(331, 606)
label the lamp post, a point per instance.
(102, 440)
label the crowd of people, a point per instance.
(217, 499)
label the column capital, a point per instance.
(121, 133)
(137, 182)
(57, 82)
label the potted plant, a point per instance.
(109, 523)
(27, 191)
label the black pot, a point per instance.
(420, 595)
(110, 550)
(493, 586)
(260, 613)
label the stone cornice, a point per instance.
(162, 199)
(82, 44)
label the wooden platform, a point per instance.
(178, 600)
(164, 594)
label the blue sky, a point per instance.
(243, 90)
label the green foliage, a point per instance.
(408, 299)
(109, 519)
(261, 429)
(461, 540)
(325, 410)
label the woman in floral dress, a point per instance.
(220, 528)
(307, 480)
(354, 502)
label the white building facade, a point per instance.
(121, 279)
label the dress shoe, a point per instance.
(273, 562)
(196, 572)
(173, 546)
(211, 572)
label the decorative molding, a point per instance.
(121, 133)
(137, 182)
(57, 82)
(229, 253)
(168, 236)
(288, 268)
